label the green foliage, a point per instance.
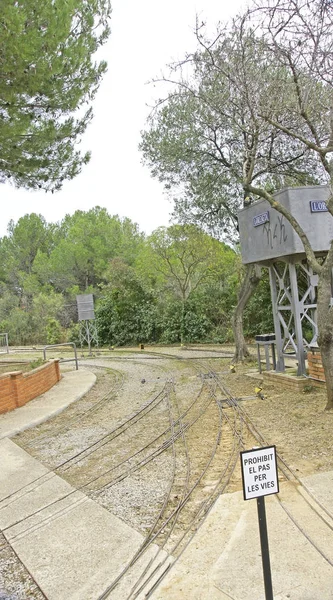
(44, 267)
(53, 332)
(193, 267)
(189, 324)
(124, 322)
(8, 301)
(217, 301)
(309, 389)
(179, 291)
(38, 362)
(19, 248)
(20, 327)
(126, 311)
(178, 285)
(258, 315)
(87, 242)
(185, 256)
(73, 333)
(47, 73)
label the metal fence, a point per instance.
(4, 348)
(63, 359)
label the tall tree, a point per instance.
(206, 142)
(87, 242)
(47, 73)
(18, 249)
(186, 258)
(298, 37)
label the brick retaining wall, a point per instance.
(287, 381)
(17, 388)
(316, 369)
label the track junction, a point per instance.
(155, 444)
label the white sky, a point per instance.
(145, 36)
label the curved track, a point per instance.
(164, 427)
(314, 511)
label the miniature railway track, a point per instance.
(177, 432)
(191, 491)
(194, 501)
(117, 431)
(80, 415)
(318, 512)
(102, 442)
(171, 434)
(137, 416)
(107, 438)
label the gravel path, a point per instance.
(126, 382)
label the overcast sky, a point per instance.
(145, 36)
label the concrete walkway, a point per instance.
(73, 547)
(72, 386)
(223, 562)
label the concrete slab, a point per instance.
(14, 475)
(191, 576)
(224, 562)
(73, 547)
(70, 388)
(321, 485)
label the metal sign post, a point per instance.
(266, 564)
(86, 313)
(260, 479)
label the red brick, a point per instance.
(17, 389)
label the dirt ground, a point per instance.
(296, 423)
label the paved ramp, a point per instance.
(223, 562)
(73, 547)
(71, 387)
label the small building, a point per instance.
(268, 239)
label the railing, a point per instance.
(4, 343)
(63, 359)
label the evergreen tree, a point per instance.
(47, 72)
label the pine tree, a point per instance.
(47, 73)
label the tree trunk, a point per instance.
(327, 361)
(325, 329)
(182, 324)
(251, 279)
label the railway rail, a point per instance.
(196, 508)
(191, 492)
(321, 515)
(116, 432)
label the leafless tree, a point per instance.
(210, 136)
(298, 102)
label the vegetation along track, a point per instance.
(193, 438)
